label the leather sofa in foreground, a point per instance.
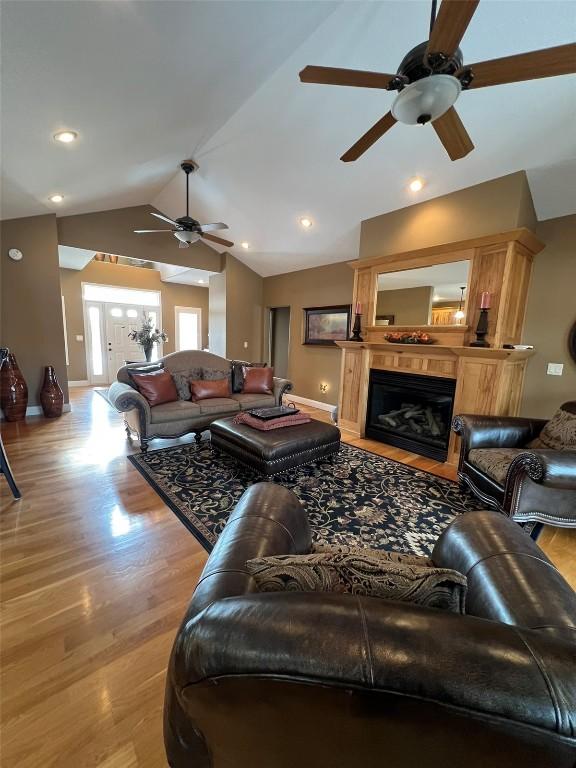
(302, 680)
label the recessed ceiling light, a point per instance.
(416, 185)
(200, 281)
(66, 137)
(306, 222)
(245, 245)
(56, 198)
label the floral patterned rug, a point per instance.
(354, 497)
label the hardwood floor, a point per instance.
(96, 574)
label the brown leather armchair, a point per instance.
(527, 484)
(302, 680)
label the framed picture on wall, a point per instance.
(324, 326)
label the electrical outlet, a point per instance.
(555, 369)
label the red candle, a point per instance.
(485, 300)
(358, 308)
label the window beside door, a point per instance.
(188, 328)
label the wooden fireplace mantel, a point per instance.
(488, 380)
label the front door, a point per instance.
(121, 319)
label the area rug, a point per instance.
(355, 497)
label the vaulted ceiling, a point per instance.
(148, 84)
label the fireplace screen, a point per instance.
(411, 411)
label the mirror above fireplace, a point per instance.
(434, 295)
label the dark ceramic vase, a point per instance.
(51, 395)
(13, 390)
(148, 351)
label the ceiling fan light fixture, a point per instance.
(426, 99)
(187, 237)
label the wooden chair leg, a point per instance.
(6, 470)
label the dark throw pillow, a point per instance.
(205, 390)
(559, 434)
(182, 380)
(258, 381)
(361, 574)
(144, 368)
(157, 387)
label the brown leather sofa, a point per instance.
(301, 680)
(536, 485)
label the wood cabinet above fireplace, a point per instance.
(488, 380)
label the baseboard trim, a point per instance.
(36, 410)
(307, 401)
(82, 383)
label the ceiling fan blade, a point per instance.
(218, 240)
(451, 23)
(148, 231)
(182, 244)
(548, 62)
(337, 76)
(211, 227)
(371, 136)
(453, 135)
(165, 218)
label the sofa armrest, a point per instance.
(495, 431)
(281, 386)
(383, 647)
(554, 469)
(125, 398)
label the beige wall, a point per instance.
(495, 206)
(217, 318)
(410, 306)
(112, 232)
(31, 321)
(550, 315)
(320, 286)
(103, 273)
(244, 321)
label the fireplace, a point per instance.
(411, 411)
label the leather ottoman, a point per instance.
(277, 450)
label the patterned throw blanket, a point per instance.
(266, 426)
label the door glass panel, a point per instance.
(94, 320)
(187, 330)
(116, 312)
(116, 295)
(131, 313)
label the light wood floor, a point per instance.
(96, 574)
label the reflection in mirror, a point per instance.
(427, 296)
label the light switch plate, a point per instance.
(79, 338)
(555, 369)
(245, 345)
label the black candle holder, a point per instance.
(481, 330)
(356, 328)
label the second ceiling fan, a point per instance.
(432, 75)
(186, 229)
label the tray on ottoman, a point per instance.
(279, 449)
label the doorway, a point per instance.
(110, 314)
(279, 342)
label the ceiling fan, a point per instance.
(187, 229)
(432, 75)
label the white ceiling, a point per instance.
(446, 279)
(149, 83)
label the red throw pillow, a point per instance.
(157, 388)
(258, 381)
(204, 390)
